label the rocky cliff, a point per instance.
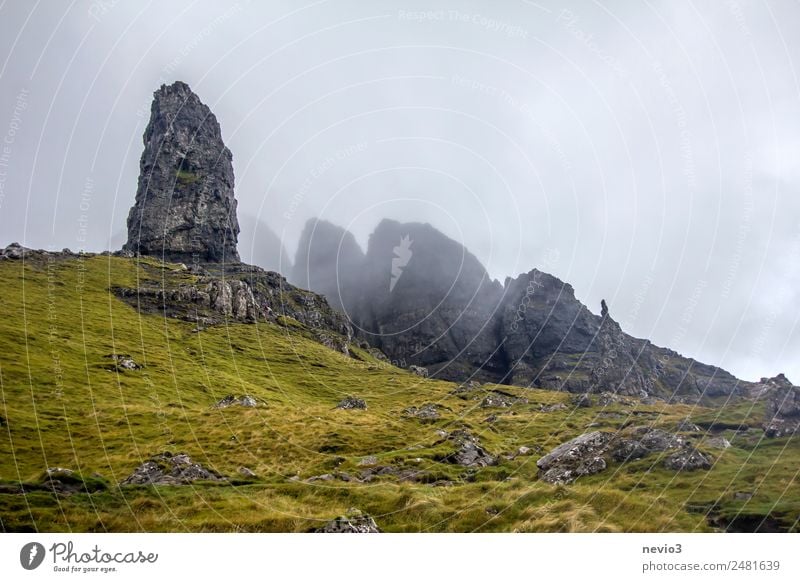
(185, 209)
(425, 300)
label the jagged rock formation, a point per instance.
(424, 300)
(328, 260)
(185, 210)
(427, 301)
(782, 416)
(245, 294)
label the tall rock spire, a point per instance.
(185, 209)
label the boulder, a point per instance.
(352, 403)
(354, 521)
(245, 401)
(425, 412)
(419, 371)
(170, 469)
(468, 452)
(497, 399)
(688, 459)
(580, 456)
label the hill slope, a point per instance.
(425, 455)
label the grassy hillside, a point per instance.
(64, 403)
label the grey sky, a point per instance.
(645, 152)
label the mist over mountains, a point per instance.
(425, 300)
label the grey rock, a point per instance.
(419, 371)
(246, 473)
(169, 469)
(782, 415)
(552, 407)
(580, 456)
(123, 362)
(497, 399)
(427, 412)
(742, 495)
(657, 440)
(245, 401)
(354, 521)
(688, 459)
(14, 251)
(352, 403)
(628, 450)
(185, 210)
(469, 452)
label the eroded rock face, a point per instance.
(169, 469)
(782, 415)
(185, 210)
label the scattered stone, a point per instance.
(352, 403)
(628, 450)
(424, 412)
(123, 362)
(497, 399)
(742, 496)
(552, 407)
(576, 458)
(522, 451)
(468, 390)
(354, 521)
(609, 398)
(491, 418)
(230, 400)
(419, 371)
(169, 469)
(14, 251)
(688, 459)
(656, 440)
(368, 461)
(469, 452)
(246, 473)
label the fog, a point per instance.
(647, 153)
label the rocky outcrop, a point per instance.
(169, 469)
(468, 452)
(591, 453)
(244, 294)
(427, 301)
(782, 411)
(352, 403)
(245, 401)
(185, 210)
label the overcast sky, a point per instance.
(646, 152)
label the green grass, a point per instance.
(62, 403)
